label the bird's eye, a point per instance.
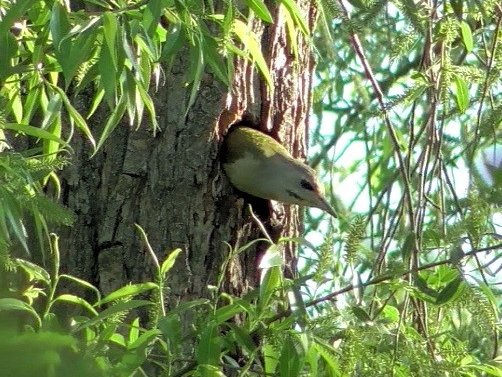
(306, 185)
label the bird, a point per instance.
(257, 164)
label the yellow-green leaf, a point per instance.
(465, 31)
(251, 44)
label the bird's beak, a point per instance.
(323, 204)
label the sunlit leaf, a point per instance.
(260, 9)
(251, 44)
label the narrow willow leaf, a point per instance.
(292, 358)
(151, 16)
(16, 105)
(59, 24)
(98, 98)
(195, 72)
(83, 283)
(134, 332)
(228, 311)
(9, 51)
(270, 282)
(75, 115)
(108, 74)
(79, 53)
(260, 9)
(466, 33)
(127, 291)
(113, 121)
(169, 262)
(145, 339)
(451, 292)
(208, 349)
(243, 337)
(72, 299)
(296, 14)
(51, 147)
(461, 93)
(251, 44)
(148, 102)
(175, 40)
(110, 27)
(215, 61)
(30, 103)
(121, 307)
(271, 358)
(33, 131)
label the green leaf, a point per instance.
(51, 147)
(12, 304)
(251, 44)
(35, 272)
(271, 358)
(134, 331)
(327, 353)
(215, 61)
(270, 282)
(32, 131)
(360, 314)
(466, 33)
(83, 283)
(208, 349)
(127, 292)
(59, 24)
(72, 299)
(172, 45)
(30, 104)
(147, 101)
(108, 60)
(451, 292)
(75, 115)
(9, 51)
(171, 327)
(113, 121)
(114, 310)
(226, 312)
(271, 258)
(110, 27)
(260, 9)
(151, 16)
(292, 358)
(195, 72)
(461, 94)
(145, 339)
(80, 52)
(390, 313)
(169, 262)
(297, 15)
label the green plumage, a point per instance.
(252, 141)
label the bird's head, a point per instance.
(298, 184)
(258, 165)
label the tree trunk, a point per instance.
(172, 184)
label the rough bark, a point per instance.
(172, 183)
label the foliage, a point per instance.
(408, 102)
(254, 335)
